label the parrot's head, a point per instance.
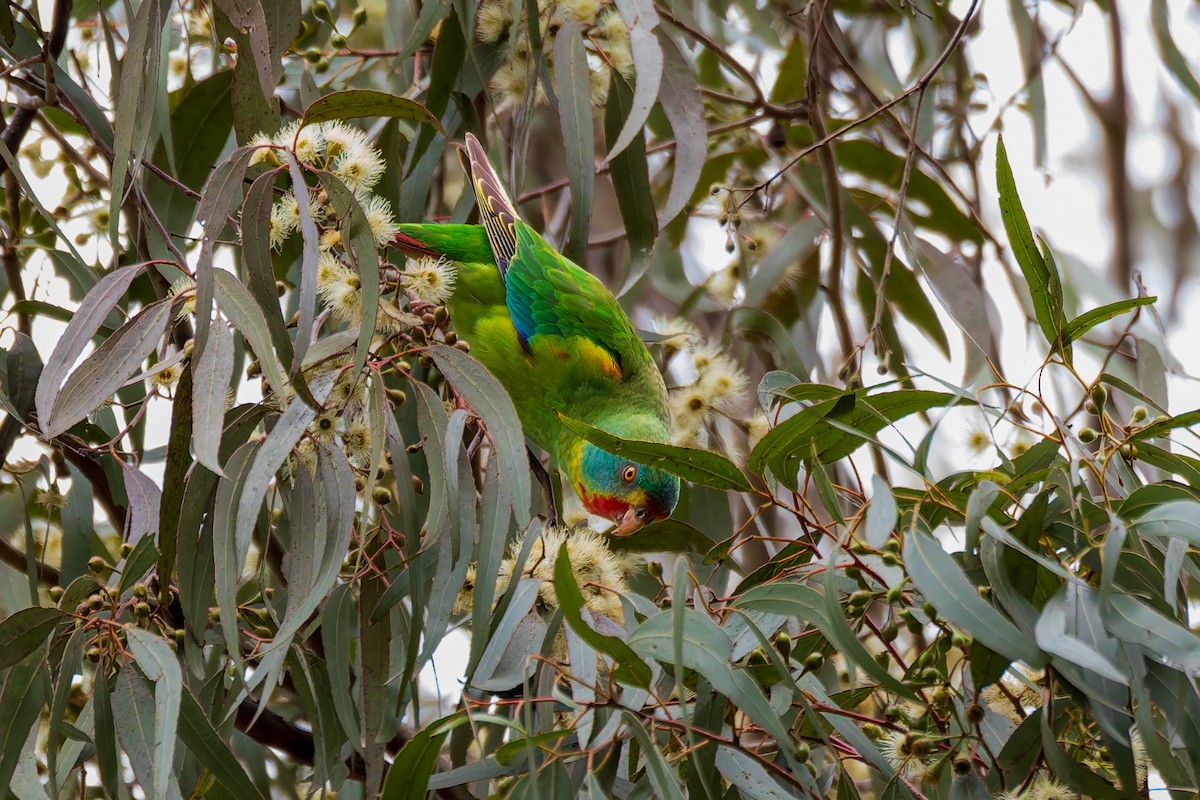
(630, 494)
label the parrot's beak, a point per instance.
(633, 521)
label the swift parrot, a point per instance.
(558, 341)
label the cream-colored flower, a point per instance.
(184, 287)
(379, 218)
(1043, 787)
(724, 383)
(51, 498)
(308, 143)
(357, 442)
(495, 16)
(340, 288)
(359, 167)
(756, 428)
(330, 238)
(166, 377)
(341, 137)
(599, 574)
(691, 406)
(679, 333)
(430, 280)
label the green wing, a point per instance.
(546, 294)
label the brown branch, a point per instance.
(12, 136)
(921, 83)
(1114, 121)
(833, 196)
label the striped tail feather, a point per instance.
(496, 210)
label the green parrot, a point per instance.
(558, 341)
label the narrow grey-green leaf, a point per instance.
(881, 513)
(642, 19)
(23, 632)
(698, 466)
(210, 389)
(573, 84)
(943, 584)
(681, 102)
(160, 665)
(237, 304)
(134, 712)
(107, 368)
(491, 402)
(93, 311)
(222, 194)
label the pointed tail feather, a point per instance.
(496, 210)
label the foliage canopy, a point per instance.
(256, 481)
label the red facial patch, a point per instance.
(602, 505)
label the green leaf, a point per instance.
(93, 311)
(159, 664)
(136, 710)
(1045, 287)
(25, 631)
(681, 102)
(630, 173)
(943, 584)
(211, 750)
(107, 368)
(698, 466)
(630, 669)
(707, 650)
(881, 513)
(573, 84)
(1172, 58)
(361, 103)
(210, 388)
(833, 428)
(1090, 319)
(21, 702)
(664, 536)
(491, 402)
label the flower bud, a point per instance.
(1088, 435)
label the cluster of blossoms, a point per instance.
(599, 573)
(718, 389)
(605, 37)
(408, 296)
(346, 152)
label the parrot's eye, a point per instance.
(629, 473)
